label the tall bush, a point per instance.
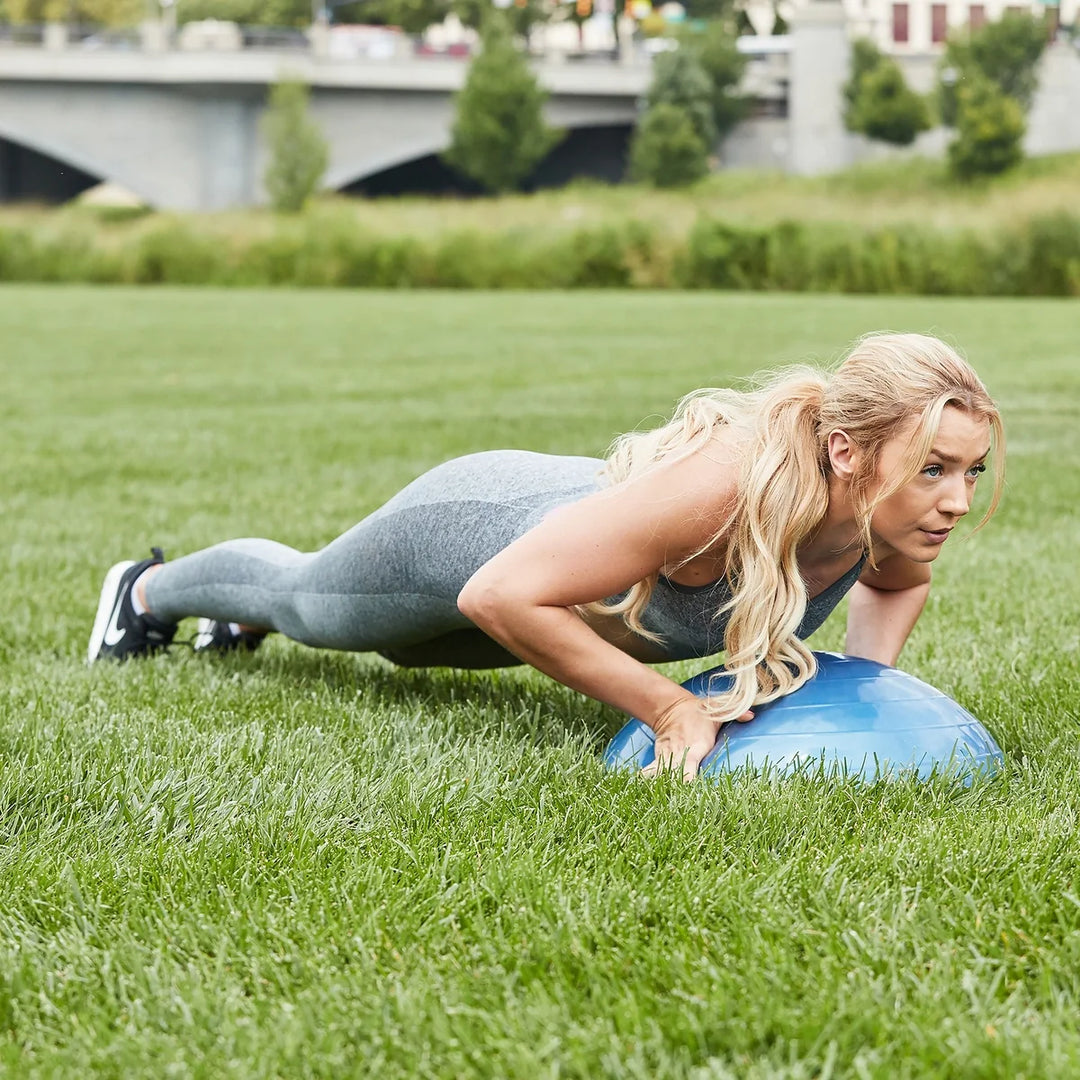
(412, 16)
(989, 131)
(879, 103)
(680, 80)
(1005, 53)
(667, 150)
(499, 134)
(715, 50)
(106, 12)
(248, 12)
(298, 150)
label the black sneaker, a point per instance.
(212, 636)
(118, 632)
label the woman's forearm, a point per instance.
(880, 620)
(557, 642)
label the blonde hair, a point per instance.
(782, 428)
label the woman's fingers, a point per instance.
(684, 747)
(685, 759)
(690, 767)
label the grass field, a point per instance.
(309, 864)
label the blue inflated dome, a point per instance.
(856, 717)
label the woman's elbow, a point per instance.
(482, 601)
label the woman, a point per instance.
(738, 526)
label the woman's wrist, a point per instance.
(661, 721)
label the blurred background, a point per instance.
(760, 112)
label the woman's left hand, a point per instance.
(685, 733)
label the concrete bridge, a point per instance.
(181, 130)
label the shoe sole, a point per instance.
(104, 610)
(202, 630)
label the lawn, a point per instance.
(301, 864)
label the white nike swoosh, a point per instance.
(113, 633)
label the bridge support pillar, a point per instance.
(820, 64)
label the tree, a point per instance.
(1005, 52)
(499, 135)
(724, 65)
(247, 12)
(989, 131)
(680, 80)
(103, 12)
(519, 17)
(718, 11)
(298, 150)
(865, 58)
(412, 16)
(878, 102)
(667, 150)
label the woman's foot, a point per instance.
(212, 636)
(120, 631)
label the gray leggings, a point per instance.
(390, 584)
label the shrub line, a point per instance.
(1037, 257)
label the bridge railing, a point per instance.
(23, 34)
(333, 42)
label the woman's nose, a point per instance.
(955, 498)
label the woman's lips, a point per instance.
(936, 536)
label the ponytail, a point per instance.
(782, 496)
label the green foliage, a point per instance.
(879, 103)
(248, 12)
(499, 135)
(298, 150)
(667, 150)
(679, 79)
(713, 11)
(715, 50)
(327, 246)
(519, 18)
(989, 132)
(865, 58)
(412, 16)
(1006, 53)
(96, 12)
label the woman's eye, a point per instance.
(974, 471)
(932, 470)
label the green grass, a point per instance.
(309, 864)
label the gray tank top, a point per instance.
(685, 616)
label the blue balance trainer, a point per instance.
(855, 718)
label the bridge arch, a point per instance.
(594, 151)
(39, 169)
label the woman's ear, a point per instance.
(844, 456)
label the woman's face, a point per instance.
(916, 520)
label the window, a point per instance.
(939, 23)
(977, 16)
(900, 22)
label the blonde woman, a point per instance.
(738, 526)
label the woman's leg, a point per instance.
(390, 584)
(322, 599)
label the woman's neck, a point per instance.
(838, 532)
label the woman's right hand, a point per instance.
(685, 733)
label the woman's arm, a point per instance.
(593, 549)
(884, 606)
